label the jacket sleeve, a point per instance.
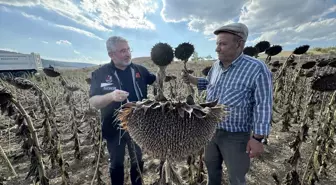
(150, 77)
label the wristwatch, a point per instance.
(258, 139)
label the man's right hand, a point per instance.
(118, 95)
(188, 78)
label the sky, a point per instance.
(77, 30)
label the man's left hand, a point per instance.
(254, 148)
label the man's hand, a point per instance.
(118, 95)
(187, 78)
(254, 148)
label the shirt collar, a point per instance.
(235, 62)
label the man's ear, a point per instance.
(110, 54)
(241, 44)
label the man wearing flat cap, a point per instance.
(244, 85)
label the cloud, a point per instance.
(201, 15)
(63, 42)
(69, 28)
(33, 17)
(311, 31)
(100, 15)
(4, 9)
(264, 15)
(70, 10)
(76, 52)
(8, 49)
(45, 42)
(80, 31)
(282, 22)
(20, 2)
(126, 14)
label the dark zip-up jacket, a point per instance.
(105, 80)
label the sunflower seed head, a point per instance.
(20, 83)
(184, 51)
(250, 51)
(206, 70)
(162, 54)
(50, 71)
(322, 63)
(324, 83)
(5, 95)
(301, 50)
(171, 130)
(308, 65)
(274, 50)
(262, 46)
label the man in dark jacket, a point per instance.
(112, 85)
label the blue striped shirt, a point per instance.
(245, 88)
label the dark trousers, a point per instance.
(229, 147)
(117, 155)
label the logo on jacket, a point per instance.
(137, 75)
(109, 79)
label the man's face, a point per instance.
(228, 45)
(122, 55)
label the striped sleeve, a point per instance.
(202, 83)
(263, 96)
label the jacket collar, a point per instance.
(112, 65)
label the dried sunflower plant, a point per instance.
(69, 90)
(310, 109)
(167, 129)
(31, 144)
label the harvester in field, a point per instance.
(19, 65)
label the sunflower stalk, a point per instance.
(328, 132)
(48, 139)
(315, 160)
(62, 163)
(301, 136)
(36, 146)
(170, 174)
(191, 90)
(191, 169)
(98, 156)
(161, 75)
(8, 163)
(56, 154)
(75, 137)
(284, 67)
(69, 91)
(289, 103)
(200, 169)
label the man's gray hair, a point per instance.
(112, 42)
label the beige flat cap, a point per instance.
(238, 29)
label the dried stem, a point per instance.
(191, 91)
(161, 75)
(98, 159)
(3, 155)
(36, 145)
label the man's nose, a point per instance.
(217, 49)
